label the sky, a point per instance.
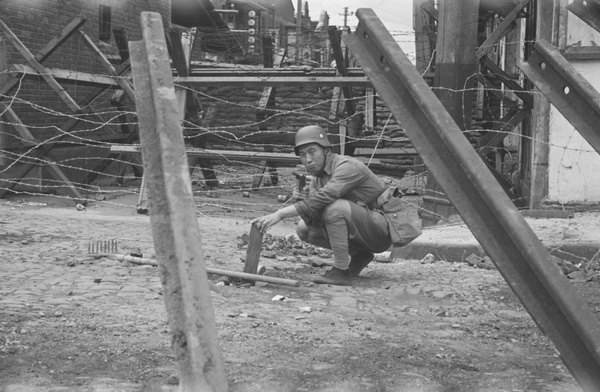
(396, 15)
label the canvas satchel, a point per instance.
(402, 229)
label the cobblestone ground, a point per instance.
(71, 321)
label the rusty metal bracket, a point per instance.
(569, 92)
(494, 220)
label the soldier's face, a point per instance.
(313, 158)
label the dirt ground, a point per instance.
(74, 321)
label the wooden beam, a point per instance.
(370, 110)
(29, 139)
(71, 28)
(540, 115)
(125, 84)
(65, 76)
(47, 50)
(198, 82)
(253, 251)
(582, 53)
(3, 79)
(428, 7)
(455, 66)
(229, 155)
(501, 30)
(422, 24)
(497, 135)
(31, 59)
(292, 71)
(234, 156)
(519, 91)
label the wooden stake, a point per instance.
(253, 252)
(175, 227)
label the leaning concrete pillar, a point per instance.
(175, 227)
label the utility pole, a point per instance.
(346, 14)
(298, 30)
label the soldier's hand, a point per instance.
(264, 222)
(300, 194)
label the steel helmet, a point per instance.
(311, 134)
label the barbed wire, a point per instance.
(101, 126)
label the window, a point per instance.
(104, 23)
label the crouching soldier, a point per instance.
(345, 208)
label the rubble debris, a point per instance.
(480, 262)
(428, 259)
(383, 257)
(319, 262)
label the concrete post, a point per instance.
(175, 227)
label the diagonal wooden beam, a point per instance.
(431, 10)
(62, 93)
(501, 30)
(519, 91)
(64, 75)
(125, 85)
(498, 133)
(181, 60)
(492, 89)
(47, 50)
(44, 155)
(71, 123)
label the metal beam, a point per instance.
(514, 248)
(588, 11)
(573, 96)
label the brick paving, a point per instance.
(46, 272)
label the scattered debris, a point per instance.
(319, 262)
(261, 269)
(571, 232)
(384, 257)
(428, 259)
(566, 266)
(480, 262)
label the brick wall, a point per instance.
(36, 22)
